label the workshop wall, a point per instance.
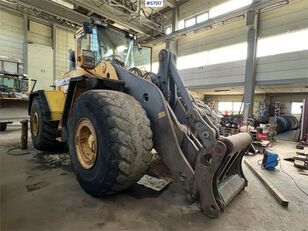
(284, 99)
(280, 62)
(11, 35)
(288, 66)
(39, 34)
(237, 98)
(64, 41)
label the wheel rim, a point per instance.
(35, 123)
(85, 143)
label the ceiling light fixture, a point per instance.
(221, 90)
(64, 3)
(275, 6)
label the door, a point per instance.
(40, 65)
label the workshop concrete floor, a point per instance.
(37, 196)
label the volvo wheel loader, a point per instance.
(111, 119)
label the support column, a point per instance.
(172, 44)
(175, 18)
(25, 44)
(54, 48)
(250, 71)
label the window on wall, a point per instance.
(231, 53)
(214, 12)
(228, 6)
(296, 108)
(193, 60)
(190, 22)
(229, 108)
(168, 30)
(181, 24)
(202, 17)
(283, 43)
(228, 53)
(194, 20)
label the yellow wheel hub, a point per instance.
(85, 143)
(35, 124)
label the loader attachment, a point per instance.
(187, 139)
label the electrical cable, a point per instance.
(259, 162)
(262, 166)
(9, 152)
(292, 179)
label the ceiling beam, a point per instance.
(55, 9)
(171, 3)
(115, 15)
(15, 11)
(78, 18)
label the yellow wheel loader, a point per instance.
(112, 118)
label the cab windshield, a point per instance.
(112, 44)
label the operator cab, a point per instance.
(96, 43)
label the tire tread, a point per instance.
(47, 139)
(130, 145)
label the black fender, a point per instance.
(85, 83)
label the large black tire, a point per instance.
(124, 141)
(45, 139)
(292, 122)
(3, 126)
(282, 124)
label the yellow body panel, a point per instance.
(102, 70)
(106, 70)
(55, 101)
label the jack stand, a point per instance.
(24, 134)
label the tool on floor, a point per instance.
(154, 183)
(301, 160)
(24, 134)
(18, 151)
(275, 192)
(270, 160)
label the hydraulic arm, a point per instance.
(186, 138)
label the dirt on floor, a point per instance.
(39, 192)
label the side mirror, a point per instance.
(87, 27)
